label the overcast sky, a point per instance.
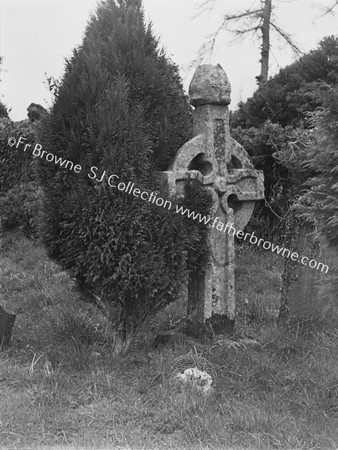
(37, 36)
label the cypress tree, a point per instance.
(119, 110)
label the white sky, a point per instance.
(37, 35)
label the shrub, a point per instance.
(288, 96)
(19, 209)
(275, 121)
(280, 153)
(16, 166)
(120, 107)
(321, 200)
(3, 111)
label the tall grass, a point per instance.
(62, 386)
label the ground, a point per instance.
(62, 387)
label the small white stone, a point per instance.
(200, 380)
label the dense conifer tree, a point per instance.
(121, 108)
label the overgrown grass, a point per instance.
(62, 386)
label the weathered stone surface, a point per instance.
(198, 379)
(209, 86)
(35, 112)
(307, 293)
(6, 325)
(221, 164)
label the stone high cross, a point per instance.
(223, 166)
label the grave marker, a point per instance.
(308, 291)
(222, 165)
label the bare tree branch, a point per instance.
(209, 45)
(329, 9)
(287, 38)
(247, 30)
(256, 21)
(254, 12)
(205, 3)
(251, 15)
(204, 6)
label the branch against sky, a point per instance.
(257, 21)
(329, 9)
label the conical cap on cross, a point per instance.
(209, 86)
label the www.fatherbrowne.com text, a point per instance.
(153, 197)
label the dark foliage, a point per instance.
(322, 159)
(19, 209)
(274, 127)
(3, 111)
(120, 107)
(279, 152)
(16, 166)
(289, 95)
(321, 201)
